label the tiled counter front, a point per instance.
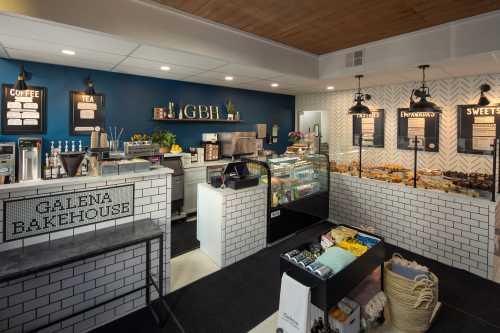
(232, 224)
(34, 300)
(453, 229)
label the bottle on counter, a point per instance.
(47, 172)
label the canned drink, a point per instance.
(298, 258)
(314, 266)
(289, 255)
(324, 272)
(306, 262)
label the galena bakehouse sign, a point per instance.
(34, 216)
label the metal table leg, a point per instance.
(148, 272)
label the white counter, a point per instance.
(453, 229)
(232, 224)
(35, 184)
(65, 290)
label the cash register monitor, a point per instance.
(236, 170)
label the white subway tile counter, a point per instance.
(451, 228)
(37, 299)
(232, 224)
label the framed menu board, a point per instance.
(423, 125)
(24, 111)
(478, 127)
(371, 126)
(86, 113)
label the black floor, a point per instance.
(239, 297)
(183, 237)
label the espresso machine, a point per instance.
(7, 162)
(30, 159)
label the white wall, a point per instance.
(446, 93)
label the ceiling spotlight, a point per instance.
(165, 68)
(274, 85)
(21, 79)
(330, 88)
(90, 86)
(423, 105)
(68, 52)
(483, 100)
(229, 78)
(359, 98)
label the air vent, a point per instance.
(354, 59)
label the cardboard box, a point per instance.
(352, 324)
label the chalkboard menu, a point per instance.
(86, 113)
(23, 111)
(371, 126)
(478, 126)
(423, 125)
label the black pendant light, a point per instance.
(90, 86)
(422, 105)
(359, 98)
(21, 79)
(483, 100)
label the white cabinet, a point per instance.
(192, 177)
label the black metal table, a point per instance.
(36, 258)
(327, 293)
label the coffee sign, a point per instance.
(23, 111)
(40, 215)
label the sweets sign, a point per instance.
(478, 127)
(40, 215)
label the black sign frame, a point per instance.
(74, 118)
(379, 127)
(431, 135)
(41, 128)
(464, 128)
(4, 229)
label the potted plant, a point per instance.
(231, 109)
(164, 139)
(295, 137)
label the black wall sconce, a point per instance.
(22, 77)
(483, 100)
(90, 86)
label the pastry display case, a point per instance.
(298, 191)
(472, 184)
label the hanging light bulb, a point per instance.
(90, 86)
(483, 100)
(422, 105)
(21, 79)
(359, 98)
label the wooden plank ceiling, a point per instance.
(322, 26)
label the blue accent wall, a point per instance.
(130, 100)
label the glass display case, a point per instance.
(298, 190)
(294, 178)
(475, 177)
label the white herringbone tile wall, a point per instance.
(446, 93)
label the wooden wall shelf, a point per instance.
(198, 121)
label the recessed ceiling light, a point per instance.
(274, 85)
(165, 68)
(229, 78)
(68, 52)
(330, 88)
